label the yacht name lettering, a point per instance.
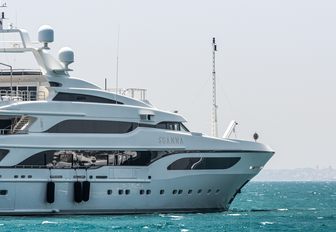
(170, 140)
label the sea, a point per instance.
(261, 206)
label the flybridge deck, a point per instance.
(29, 85)
(21, 85)
(32, 85)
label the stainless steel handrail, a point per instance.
(11, 74)
(21, 95)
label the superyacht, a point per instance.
(70, 147)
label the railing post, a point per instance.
(11, 75)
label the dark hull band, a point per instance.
(56, 212)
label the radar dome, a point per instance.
(66, 56)
(46, 35)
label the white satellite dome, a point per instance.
(66, 56)
(45, 35)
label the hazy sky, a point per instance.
(275, 63)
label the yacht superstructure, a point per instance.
(73, 148)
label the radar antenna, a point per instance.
(214, 103)
(117, 68)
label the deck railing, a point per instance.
(21, 95)
(136, 93)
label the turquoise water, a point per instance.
(262, 206)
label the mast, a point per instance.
(2, 18)
(214, 103)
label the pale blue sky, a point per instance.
(275, 62)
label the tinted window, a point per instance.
(54, 84)
(3, 192)
(92, 126)
(202, 163)
(39, 159)
(88, 158)
(3, 153)
(74, 97)
(176, 126)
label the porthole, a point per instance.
(174, 191)
(120, 191)
(189, 191)
(148, 192)
(199, 191)
(3, 192)
(30, 176)
(149, 177)
(161, 192)
(209, 191)
(142, 192)
(109, 191)
(180, 191)
(127, 191)
(16, 176)
(90, 177)
(217, 191)
(23, 176)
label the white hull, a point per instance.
(219, 187)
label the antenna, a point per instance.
(117, 70)
(2, 16)
(214, 103)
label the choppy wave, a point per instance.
(48, 222)
(234, 214)
(266, 223)
(249, 212)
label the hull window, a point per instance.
(3, 192)
(90, 158)
(97, 158)
(202, 163)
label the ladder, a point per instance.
(20, 125)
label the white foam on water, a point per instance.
(48, 222)
(184, 230)
(2, 224)
(266, 223)
(176, 217)
(234, 214)
(145, 227)
(319, 217)
(282, 209)
(312, 209)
